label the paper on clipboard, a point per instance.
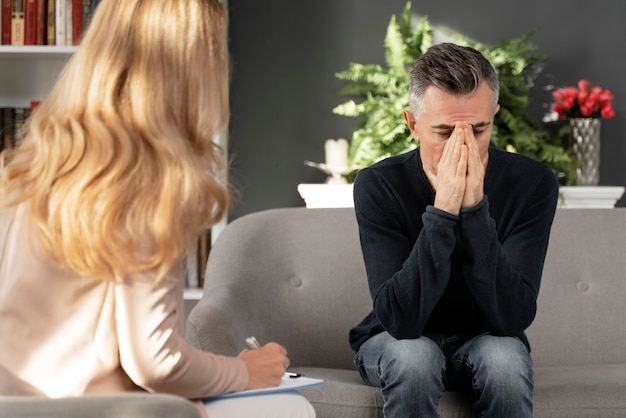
(287, 384)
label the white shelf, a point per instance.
(571, 197)
(35, 51)
(602, 197)
(192, 294)
(326, 195)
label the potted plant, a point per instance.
(378, 95)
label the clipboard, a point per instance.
(287, 384)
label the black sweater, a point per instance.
(430, 271)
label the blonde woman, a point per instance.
(116, 177)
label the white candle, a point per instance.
(336, 151)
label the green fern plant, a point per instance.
(382, 94)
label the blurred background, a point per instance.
(285, 54)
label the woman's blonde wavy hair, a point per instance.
(118, 165)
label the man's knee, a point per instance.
(504, 359)
(417, 358)
(501, 352)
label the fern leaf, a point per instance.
(349, 108)
(394, 48)
(406, 23)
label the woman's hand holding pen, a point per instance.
(266, 365)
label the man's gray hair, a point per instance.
(455, 69)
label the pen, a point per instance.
(254, 344)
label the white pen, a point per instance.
(254, 344)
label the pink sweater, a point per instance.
(66, 335)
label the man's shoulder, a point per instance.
(517, 172)
(391, 178)
(395, 165)
(399, 160)
(512, 156)
(515, 164)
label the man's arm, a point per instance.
(406, 279)
(504, 277)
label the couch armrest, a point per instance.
(123, 405)
(218, 324)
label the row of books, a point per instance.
(11, 121)
(44, 22)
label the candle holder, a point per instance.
(334, 176)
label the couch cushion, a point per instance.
(580, 391)
(346, 393)
(560, 392)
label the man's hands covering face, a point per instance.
(460, 172)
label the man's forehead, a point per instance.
(480, 124)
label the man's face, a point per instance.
(441, 112)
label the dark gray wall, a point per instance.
(285, 54)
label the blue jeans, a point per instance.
(413, 374)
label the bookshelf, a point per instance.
(35, 51)
(28, 73)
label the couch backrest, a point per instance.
(297, 277)
(581, 314)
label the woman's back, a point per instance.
(58, 329)
(67, 335)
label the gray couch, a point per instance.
(296, 276)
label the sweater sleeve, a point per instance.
(406, 279)
(153, 350)
(504, 273)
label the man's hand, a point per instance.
(266, 365)
(452, 172)
(474, 184)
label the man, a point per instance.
(454, 236)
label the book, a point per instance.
(12, 120)
(50, 22)
(30, 22)
(7, 118)
(33, 105)
(60, 22)
(86, 13)
(77, 21)
(6, 9)
(286, 385)
(191, 268)
(68, 21)
(41, 22)
(204, 247)
(20, 116)
(17, 23)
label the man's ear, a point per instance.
(497, 108)
(410, 121)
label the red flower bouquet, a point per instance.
(583, 102)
